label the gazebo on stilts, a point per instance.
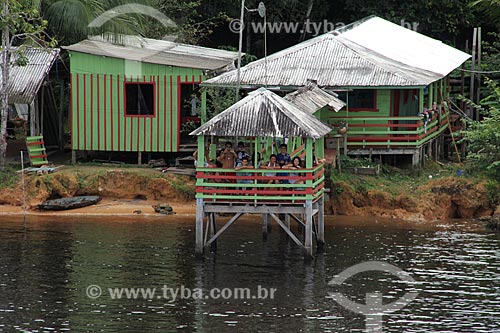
(260, 118)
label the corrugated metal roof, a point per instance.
(25, 81)
(391, 56)
(158, 52)
(404, 45)
(311, 98)
(263, 113)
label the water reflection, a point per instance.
(45, 273)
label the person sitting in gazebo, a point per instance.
(244, 165)
(272, 164)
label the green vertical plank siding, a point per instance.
(384, 102)
(98, 107)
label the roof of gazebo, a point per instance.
(264, 114)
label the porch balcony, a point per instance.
(392, 132)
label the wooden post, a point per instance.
(475, 113)
(308, 234)
(200, 159)
(430, 91)
(308, 206)
(321, 224)
(416, 158)
(462, 90)
(139, 158)
(287, 220)
(73, 156)
(212, 228)
(203, 106)
(199, 227)
(42, 109)
(61, 116)
(32, 113)
(478, 95)
(265, 218)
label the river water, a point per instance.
(46, 271)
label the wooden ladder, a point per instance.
(36, 150)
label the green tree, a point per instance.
(21, 25)
(195, 20)
(483, 137)
(68, 20)
(489, 8)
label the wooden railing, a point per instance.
(252, 185)
(390, 132)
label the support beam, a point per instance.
(221, 230)
(296, 219)
(139, 158)
(265, 227)
(199, 227)
(212, 227)
(321, 224)
(308, 231)
(287, 230)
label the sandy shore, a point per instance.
(135, 210)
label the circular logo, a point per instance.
(236, 25)
(374, 308)
(93, 291)
(133, 8)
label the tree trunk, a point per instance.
(4, 106)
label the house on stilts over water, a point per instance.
(294, 194)
(394, 81)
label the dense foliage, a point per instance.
(483, 137)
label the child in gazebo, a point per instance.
(243, 166)
(272, 164)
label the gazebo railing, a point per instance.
(252, 185)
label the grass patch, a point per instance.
(185, 190)
(8, 178)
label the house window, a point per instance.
(360, 99)
(139, 99)
(190, 100)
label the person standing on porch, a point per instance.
(228, 156)
(283, 159)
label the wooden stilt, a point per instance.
(199, 227)
(213, 228)
(287, 220)
(139, 158)
(321, 224)
(308, 231)
(264, 226)
(73, 156)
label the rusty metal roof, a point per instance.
(311, 98)
(391, 56)
(264, 114)
(157, 52)
(25, 81)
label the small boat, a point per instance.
(69, 203)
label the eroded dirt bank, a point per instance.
(438, 199)
(140, 184)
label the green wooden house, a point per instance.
(393, 80)
(135, 96)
